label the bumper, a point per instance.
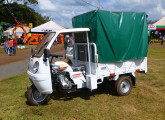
(41, 81)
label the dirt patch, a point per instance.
(20, 55)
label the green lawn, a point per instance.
(146, 101)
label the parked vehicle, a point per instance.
(99, 55)
(60, 39)
(35, 39)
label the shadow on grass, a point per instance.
(105, 88)
(27, 103)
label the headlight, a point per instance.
(35, 67)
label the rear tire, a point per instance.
(123, 85)
(35, 98)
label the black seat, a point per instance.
(78, 68)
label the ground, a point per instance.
(14, 65)
(22, 54)
(146, 101)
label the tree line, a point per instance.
(22, 12)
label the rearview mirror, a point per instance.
(46, 55)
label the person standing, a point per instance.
(163, 38)
(72, 42)
(66, 41)
(6, 45)
(56, 41)
(10, 46)
(39, 38)
(14, 46)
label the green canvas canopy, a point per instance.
(118, 36)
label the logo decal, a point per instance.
(77, 75)
(62, 68)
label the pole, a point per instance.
(89, 60)
(99, 4)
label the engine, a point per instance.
(64, 81)
(68, 78)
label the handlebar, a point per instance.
(54, 55)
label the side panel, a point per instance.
(78, 79)
(118, 68)
(91, 81)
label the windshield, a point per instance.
(43, 44)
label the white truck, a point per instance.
(88, 68)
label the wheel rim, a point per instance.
(37, 96)
(125, 86)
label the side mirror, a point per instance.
(46, 55)
(32, 51)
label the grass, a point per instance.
(156, 44)
(146, 101)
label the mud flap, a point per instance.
(91, 81)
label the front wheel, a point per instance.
(123, 85)
(34, 97)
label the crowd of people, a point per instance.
(10, 46)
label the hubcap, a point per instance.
(37, 96)
(124, 86)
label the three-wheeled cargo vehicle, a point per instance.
(108, 46)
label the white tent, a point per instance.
(46, 27)
(19, 31)
(160, 22)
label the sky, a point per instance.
(62, 11)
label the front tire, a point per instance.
(35, 98)
(123, 85)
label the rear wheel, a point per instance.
(34, 97)
(123, 85)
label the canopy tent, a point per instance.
(47, 27)
(160, 22)
(159, 25)
(19, 31)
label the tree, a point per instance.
(24, 15)
(25, 2)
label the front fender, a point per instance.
(41, 83)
